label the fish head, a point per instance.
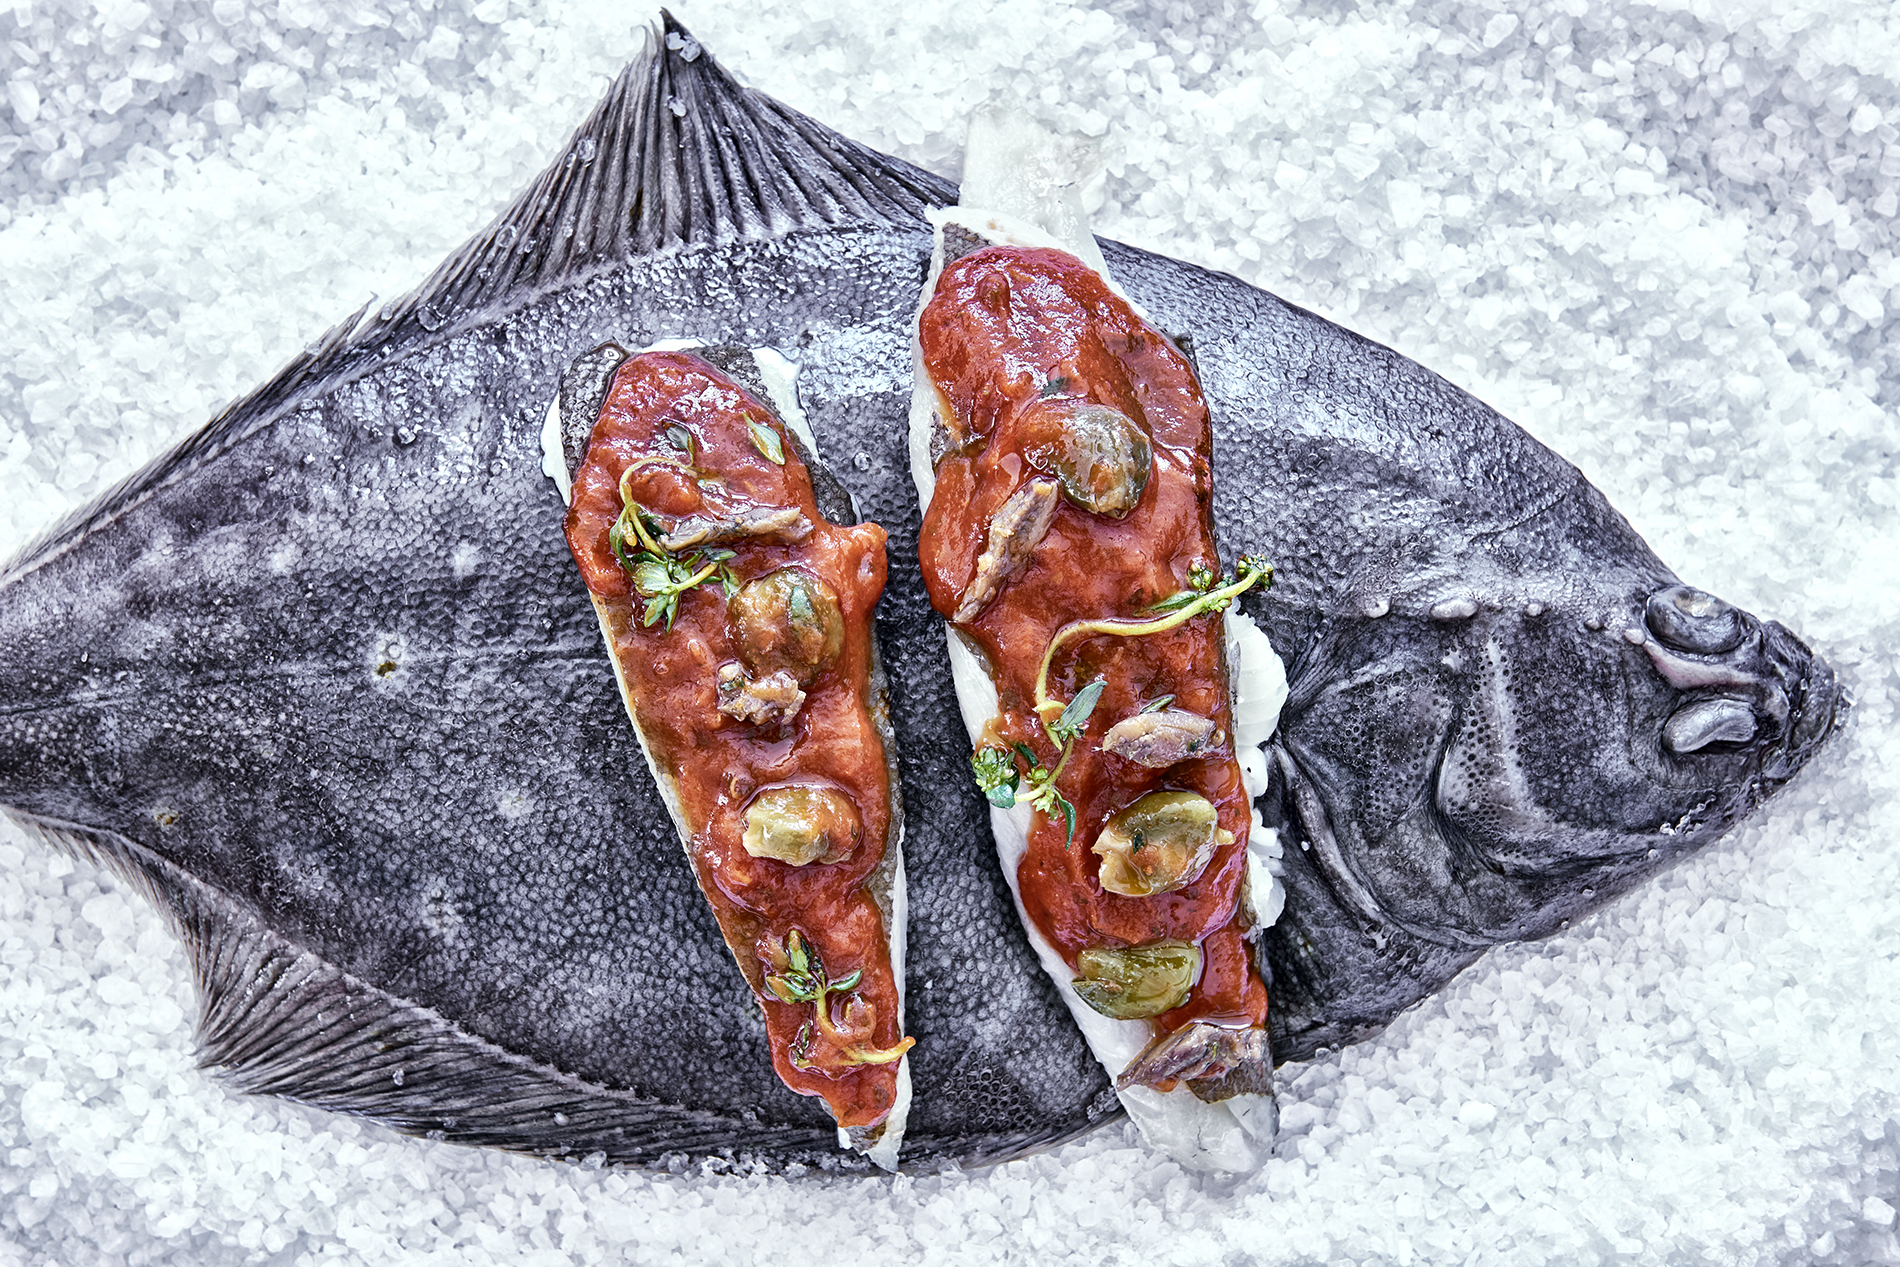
(1512, 764)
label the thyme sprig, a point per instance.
(766, 441)
(1000, 780)
(1206, 593)
(800, 978)
(662, 578)
(1004, 783)
(658, 575)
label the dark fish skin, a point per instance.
(326, 683)
(1485, 665)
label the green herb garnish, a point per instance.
(798, 976)
(658, 575)
(1069, 726)
(766, 441)
(661, 579)
(996, 775)
(1203, 595)
(803, 979)
(1002, 782)
(1200, 581)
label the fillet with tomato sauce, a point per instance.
(738, 617)
(1064, 452)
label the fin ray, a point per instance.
(677, 154)
(275, 1019)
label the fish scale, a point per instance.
(324, 683)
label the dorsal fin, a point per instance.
(677, 154)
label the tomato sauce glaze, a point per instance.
(715, 762)
(1008, 327)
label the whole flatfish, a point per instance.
(325, 683)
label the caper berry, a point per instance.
(801, 823)
(786, 620)
(1135, 982)
(1098, 454)
(1158, 844)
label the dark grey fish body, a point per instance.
(326, 682)
(1503, 709)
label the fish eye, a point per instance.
(1709, 723)
(1689, 620)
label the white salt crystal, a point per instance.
(1407, 201)
(24, 96)
(114, 96)
(1499, 29)
(444, 44)
(1780, 447)
(1822, 208)
(1860, 297)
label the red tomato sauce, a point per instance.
(716, 762)
(1008, 327)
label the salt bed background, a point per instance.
(1662, 237)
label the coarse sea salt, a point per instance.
(1608, 221)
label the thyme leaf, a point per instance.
(1075, 717)
(1177, 600)
(617, 541)
(662, 578)
(1052, 803)
(681, 439)
(996, 776)
(800, 978)
(1156, 705)
(650, 576)
(1201, 596)
(1005, 785)
(766, 441)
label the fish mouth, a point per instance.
(1819, 705)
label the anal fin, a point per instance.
(276, 1019)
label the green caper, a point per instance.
(786, 620)
(1158, 844)
(1135, 982)
(800, 824)
(1100, 456)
